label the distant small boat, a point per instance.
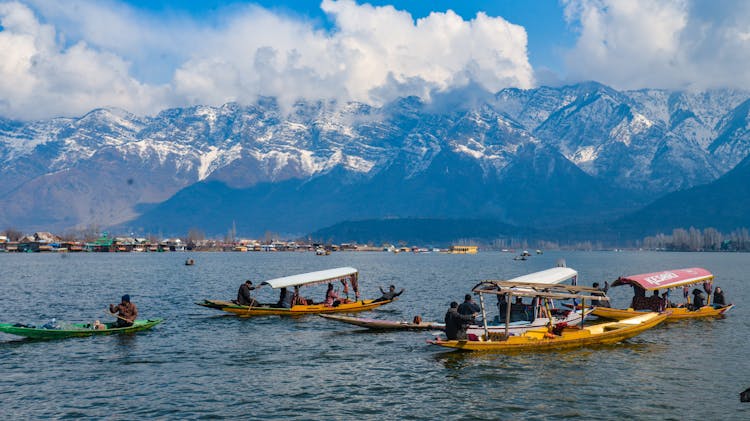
(521, 257)
(74, 330)
(189, 262)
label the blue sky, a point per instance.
(548, 33)
(66, 58)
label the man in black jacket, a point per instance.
(455, 323)
(244, 298)
(468, 306)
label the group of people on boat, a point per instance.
(518, 309)
(288, 299)
(660, 303)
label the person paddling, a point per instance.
(126, 312)
(244, 297)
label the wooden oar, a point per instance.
(118, 316)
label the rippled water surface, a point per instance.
(202, 364)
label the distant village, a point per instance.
(691, 239)
(39, 242)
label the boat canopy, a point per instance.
(319, 277)
(549, 276)
(666, 279)
(534, 289)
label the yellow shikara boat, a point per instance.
(343, 275)
(678, 278)
(554, 337)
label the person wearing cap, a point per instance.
(126, 311)
(244, 298)
(468, 307)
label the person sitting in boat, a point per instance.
(667, 302)
(502, 307)
(518, 311)
(719, 300)
(657, 303)
(456, 323)
(640, 302)
(286, 298)
(601, 303)
(388, 295)
(244, 297)
(297, 299)
(468, 307)
(332, 298)
(126, 312)
(698, 300)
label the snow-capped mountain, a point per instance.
(532, 157)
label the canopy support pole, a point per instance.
(549, 312)
(484, 318)
(507, 312)
(583, 311)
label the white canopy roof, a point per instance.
(318, 277)
(549, 276)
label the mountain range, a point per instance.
(577, 155)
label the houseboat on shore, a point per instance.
(463, 249)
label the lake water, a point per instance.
(203, 364)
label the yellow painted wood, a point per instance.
(542, 339)
(298, 310)
(676, 312)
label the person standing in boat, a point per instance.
(244, 297)
(388, 295)
(468, 307)
(601, 303)
(456, 323)
(126, 311)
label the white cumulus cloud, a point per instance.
(66, 58)
(674, 44)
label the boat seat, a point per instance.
(615, 326)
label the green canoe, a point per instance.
(74, 329)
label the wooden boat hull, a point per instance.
(677, 313)
(298, 310)
(76, 330)
(376, 324)
(541, 339)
